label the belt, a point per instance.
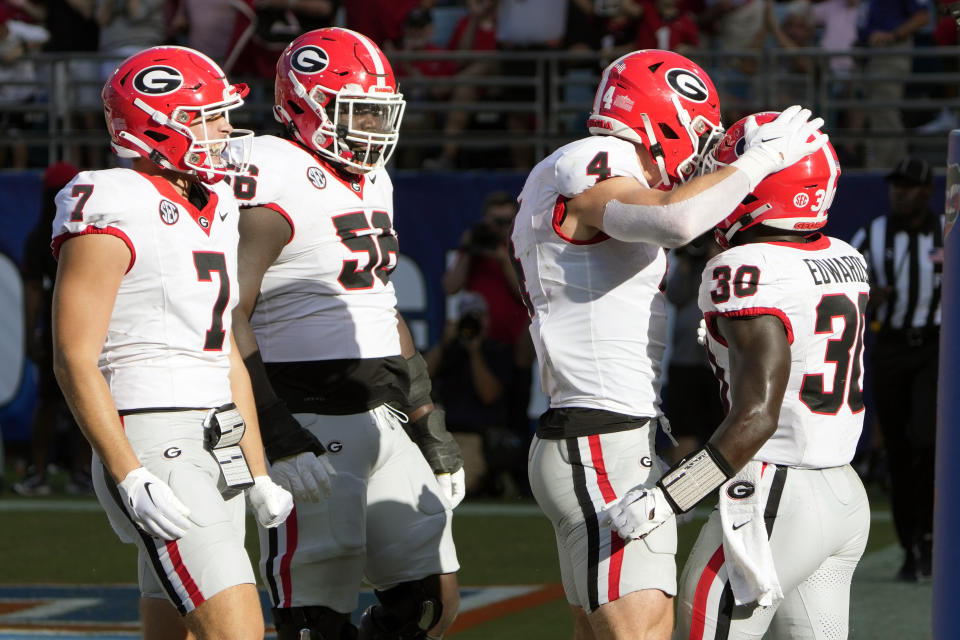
(912, 337)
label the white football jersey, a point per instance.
(328, 296)
(819, 290)
(598, 316)
(168, 342)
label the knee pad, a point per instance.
(405, 612)
(322, 623)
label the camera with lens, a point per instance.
(482, 239)
(469, 326)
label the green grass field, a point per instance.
(502, 543)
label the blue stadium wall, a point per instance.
(432, 211)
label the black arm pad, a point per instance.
(436, 443)
(282, 435)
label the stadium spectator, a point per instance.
(381, 20)
(904, 251)
(785, 330)
(127, 27)
(418, 38)
(208, 25)
(265, 27)
(837, 20)
(472, 375)
(689, 374)
(888, 25)
(606, 27)
(665, 25)
(39, 272)
(339, 366)
(73, 28)
(154, 380)
(735, 26)
(475, 31)
(794, 31)
(24, 10)
(589, 237)
(17, 40)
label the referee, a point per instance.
(904, 252)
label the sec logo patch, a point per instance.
(316, 177)
(169, 212)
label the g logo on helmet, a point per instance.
(740, 490)
(158, 80)
(309, 59)
(688, 84)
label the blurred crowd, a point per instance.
(443, 91)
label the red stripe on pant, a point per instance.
(193, 592)
(609, 495)
(699, 616)
(286, 583)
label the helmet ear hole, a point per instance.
(295, 108)
(668, 133)
(155, 135)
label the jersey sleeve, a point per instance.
(742, 283)
(268, 173)
(96, 202)
(583, 166)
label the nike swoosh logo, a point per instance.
(770, 139)
(737, 526)
(223, 216)
(146, 487)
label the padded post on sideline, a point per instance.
(946, 526)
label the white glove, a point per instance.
(270, 502)
(637, 513)
(702, 333)
(306, 475)
(777, 144)
(153, 506)
(453, 487)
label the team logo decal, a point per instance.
(158, 80)
(316, 177)
(355, 186)
(172, 452)
(688, 84)
(645, 461)
(334, 446)
(740, 490)
(203, 222)
(801, 200)
(309, 59)
(169, 212)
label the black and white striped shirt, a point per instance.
(911, 261)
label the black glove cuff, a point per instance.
(438, 446)
(282, 435)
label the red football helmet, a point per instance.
(154, 96)
(663, 101)
(336, 93)
(796, 198)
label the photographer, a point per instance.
(471, 373)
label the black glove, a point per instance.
(282, 435)
(439, 448)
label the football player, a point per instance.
(144, 351)
(594, 219)
(337, 381)
(784, 309)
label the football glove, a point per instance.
(282, 435)
(307, 476)
(153, 506)
(637, 513)
(777, 144)
(270, 502)
(453, 486)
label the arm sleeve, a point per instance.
(676, 224)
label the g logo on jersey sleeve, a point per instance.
(309, 59)
(688, 84)
(158, 80)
